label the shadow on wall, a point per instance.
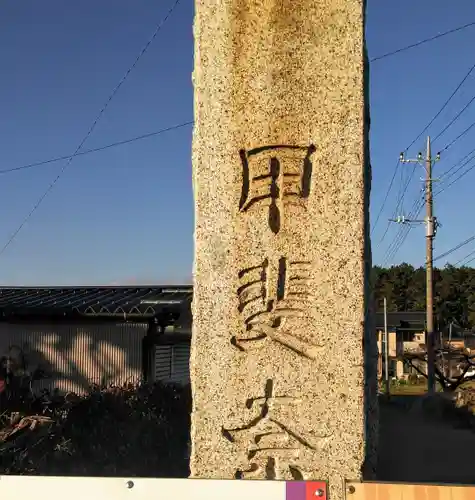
(72, 358)
(140, 430)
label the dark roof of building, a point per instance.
(127, 302)
(410, 319)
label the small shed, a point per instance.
(72, 338)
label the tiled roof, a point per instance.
(405, 319)
(120, 301)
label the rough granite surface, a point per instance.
(282, 354)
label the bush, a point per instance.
(140, 430)
(465, 397)
(394, 381)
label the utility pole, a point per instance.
(429, 274)
(431, 228)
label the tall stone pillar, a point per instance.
(283, 361)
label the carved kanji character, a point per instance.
(281, 174)
(267, 299)
(271, 447)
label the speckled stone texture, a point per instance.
(282, 355)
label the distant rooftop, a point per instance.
(405, 319)
(94, 301)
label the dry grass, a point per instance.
(139, 431)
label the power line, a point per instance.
(386, 198)
(469, 261)
(469, 72)
(396, 244)
(455, 248)
(454, 119)
(447, 172)
(95, 150)
(463, 174)
(459, 136)
(398, 203)
(403, 172)
(414, 212)
(404, 231)
(92, 127)
(397, 238)
(466, 257)
(416, 139)
(400, 238)
(426, 40)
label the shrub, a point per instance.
(140, 430)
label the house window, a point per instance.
(392, 372)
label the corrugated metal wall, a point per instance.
(172, 363)
(77, 356)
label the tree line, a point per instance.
(405, 290)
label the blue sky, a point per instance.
(125, 215)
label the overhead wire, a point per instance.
(386, 197)
(398, 202)
(92, 127)
(95, 150)
(454, 119)
(459, 137)
(403, 234)
(452, 95)
(455, 248)
(444, 105)
(469, 262)
(403, 231)
(426, 40)
(400, 196)
(59, 158)
(463, 174)
(78, 152)
(417, 206)
(465, 258)
(401, 241)
(447, 172)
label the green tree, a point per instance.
(405, 290)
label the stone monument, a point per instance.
(283, 354)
